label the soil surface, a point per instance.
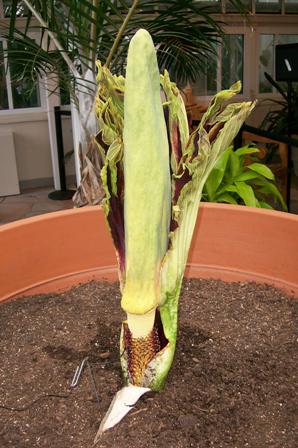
(233, 383)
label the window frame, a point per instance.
(251, 29)
(41, 82)
(252, 8)
(278, 30)
(245, 90)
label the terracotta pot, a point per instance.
(58, 250)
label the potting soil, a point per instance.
(233, 383)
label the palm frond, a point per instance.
(184, 33)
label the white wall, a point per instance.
(32, 146)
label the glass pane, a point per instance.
(22, 10)
(287, 39)
(25, 92)
(231, 6)
(207, 83)
(213, 5)
(291, 6)
(3, 87)
(268, 6)
(232, 60)
(266, 62)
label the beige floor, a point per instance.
(30, 203)
(36, 202)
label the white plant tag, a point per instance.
(121, 404)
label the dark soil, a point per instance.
(233, 383)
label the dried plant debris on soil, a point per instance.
(233, 382)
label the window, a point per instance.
(230, 6)
(276, 6)
(22, 10)
(223, 69)
(246, 54)
(291, 6)
(212, 5)
(15, 93)
(267, 44)
(254, 6)
(232, 60)
(24, 93)
(266, 61)
(268, 6)
(3, 88)
(207, 83)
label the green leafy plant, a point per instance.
(84, 30)
(240, 178)
(153, 175)
(71, 35)
(277, 120)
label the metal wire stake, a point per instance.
(78, 374)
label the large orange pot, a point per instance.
(58, 250)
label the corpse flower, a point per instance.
(153, 172)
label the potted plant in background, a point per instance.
(277, 120)
(240, 178)
(73, 35)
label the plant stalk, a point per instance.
(120, 32)
(93, 34)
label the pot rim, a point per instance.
(230, 242)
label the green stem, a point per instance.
(93, 34)
(120, 32)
